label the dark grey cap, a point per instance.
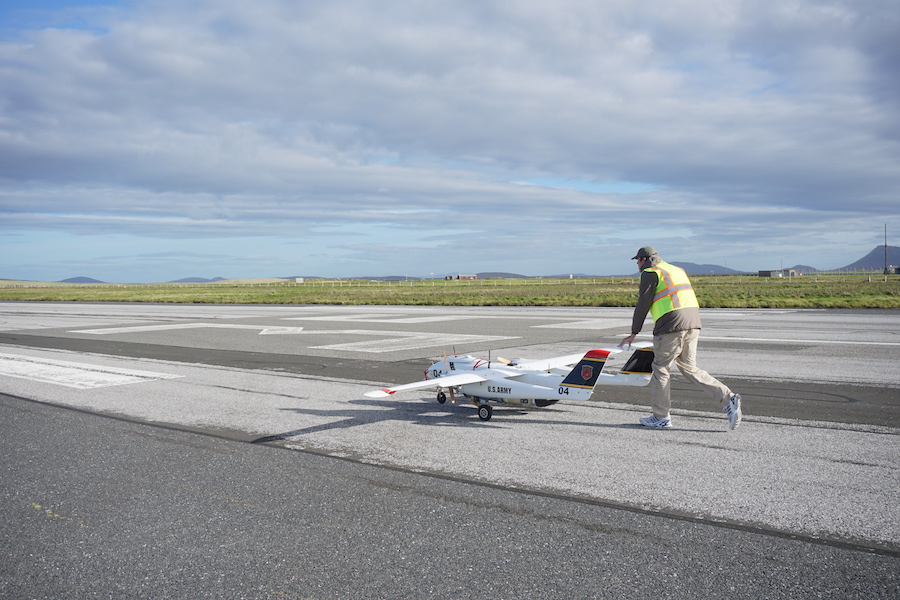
(645, 252)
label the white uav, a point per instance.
(537, 383)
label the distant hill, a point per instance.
(198, 280)
(80, 280)
(501, 275)
(486, 275)
(803, 269)
(874, 260)
(695, 269)
(382, 278)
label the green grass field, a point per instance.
(714, 291)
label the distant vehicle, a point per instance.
(538, 383)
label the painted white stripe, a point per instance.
(609, 323)
(797, 341)
(786, 340)
(383, 318)
(70, 374)
(264, 329)
(397, 340)
(413, 342)
(587, 324)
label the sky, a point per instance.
(154, 140)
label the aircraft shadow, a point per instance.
(431, 414)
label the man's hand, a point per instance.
(627, 341)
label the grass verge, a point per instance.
(714, 291)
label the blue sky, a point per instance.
(162, 139)
(23, 16)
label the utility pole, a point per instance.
(885, 250)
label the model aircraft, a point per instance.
(522, 382)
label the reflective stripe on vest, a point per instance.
(673, 290)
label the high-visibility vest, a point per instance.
(673, 291)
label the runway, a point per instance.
(813, 465)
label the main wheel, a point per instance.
(441, 397)
(485, 412)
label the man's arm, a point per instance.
(646, 292)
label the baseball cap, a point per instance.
(645, 252)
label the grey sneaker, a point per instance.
(654, 421)
(733, 410)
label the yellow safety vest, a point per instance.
(673, 291)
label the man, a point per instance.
(666, 293)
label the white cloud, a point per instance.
(753, 133)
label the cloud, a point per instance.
(395, 123)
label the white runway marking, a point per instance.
(588, 324)
(611, 323)
(412, 341)
(396, 340)
(384, 318)
(75, 375)
(796, 341)
(265, 329)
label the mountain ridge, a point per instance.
(873, 261)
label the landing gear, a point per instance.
(485, 412)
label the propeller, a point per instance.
(447, 366)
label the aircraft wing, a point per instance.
(568, 360)
(545, 364)
(447, 381)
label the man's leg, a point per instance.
(687, 364)
(666, 348)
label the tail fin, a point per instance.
(586, 372)
(640, 363)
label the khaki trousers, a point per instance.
(680, 347)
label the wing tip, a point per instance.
(379, 393)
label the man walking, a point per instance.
(666, 293)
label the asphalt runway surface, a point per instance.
(172, 451)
